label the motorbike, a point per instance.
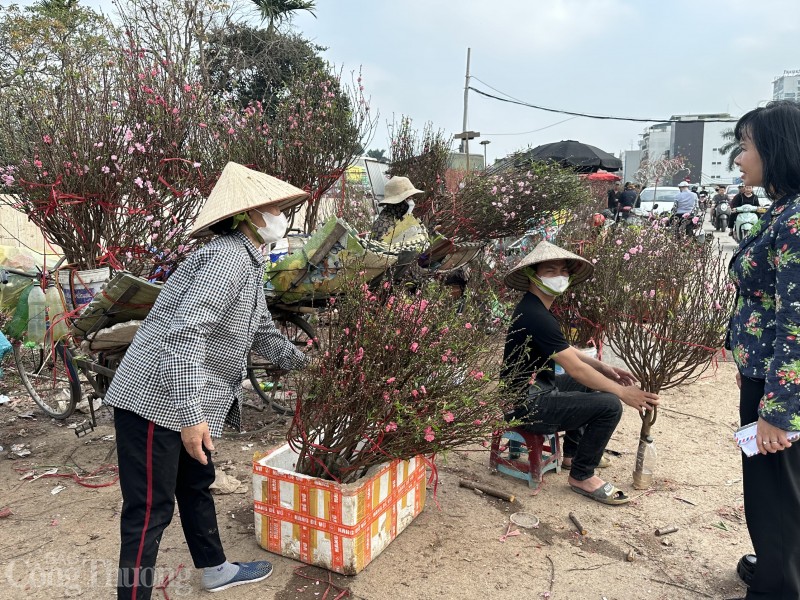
(746, 218)
(696, 228)
(660, 213)
(722, 211)
(605, 218)
(690, 224)
(632, 217)
(703, 200)
(637, 217)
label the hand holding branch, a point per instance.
(639, 399)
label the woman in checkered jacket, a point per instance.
(180, 380)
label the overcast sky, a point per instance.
(631, 58)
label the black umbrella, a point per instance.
(576, 155)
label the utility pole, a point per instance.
(485, 143)
(466, 101)
(465, 136)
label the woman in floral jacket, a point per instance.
(765, 338)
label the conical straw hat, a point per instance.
(240, 189)
(580, 269)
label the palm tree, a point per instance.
(730, 147)
(379, 155)
(280, 11)
(55, 6)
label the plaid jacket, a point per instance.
(188, 359)
(765, 326)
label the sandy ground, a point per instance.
(64, 545)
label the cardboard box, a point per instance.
(330, 525)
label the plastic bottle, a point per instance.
(55, 314)
(645, 464)
(37, 313)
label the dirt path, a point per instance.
(64, 545)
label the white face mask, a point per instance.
(274, 228)
(554, 285)
(410, 207)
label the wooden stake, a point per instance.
(574, 519)
(471, 485)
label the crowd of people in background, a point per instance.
(622, 201)
(689, 200)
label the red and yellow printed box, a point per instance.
(340, 527)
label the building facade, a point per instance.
(787, 86)
(655, 142)
(631, 159)
(697, 138)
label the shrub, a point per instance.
(399, 375)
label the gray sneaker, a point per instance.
(249, 572)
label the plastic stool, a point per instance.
(543, 454)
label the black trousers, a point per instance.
(772, 509)
(154, 471)
(589, 419)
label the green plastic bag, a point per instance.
(18, 324)
(9, 292)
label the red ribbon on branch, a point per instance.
(54, 203)
(162, 180)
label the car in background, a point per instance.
(732, 190)
(759, 191)
(658, 200)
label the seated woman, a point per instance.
(396, 204)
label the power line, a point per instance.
(501, 92)
(533, 130)
(518, 100)
(19, 241)
(510, 100)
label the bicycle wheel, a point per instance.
(49, 377)
(274, 385)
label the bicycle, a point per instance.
(47, 371)
(273, 385)
(58, 375)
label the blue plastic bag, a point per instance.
(5, 348)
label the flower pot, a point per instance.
(79, 287)
(339, 527)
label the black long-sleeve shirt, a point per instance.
(742, 199)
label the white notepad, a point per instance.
(745, 438)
